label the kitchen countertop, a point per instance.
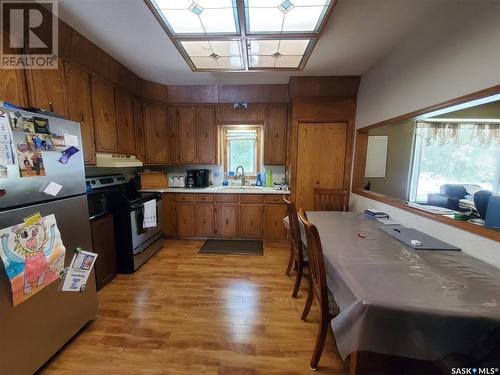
(221, 190)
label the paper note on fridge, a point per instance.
(53, 188)
(79, 271)
(71, 140)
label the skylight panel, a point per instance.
(285, 16)
(199, 17)
(214, 55)
(282, 54)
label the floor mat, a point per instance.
(235, 247)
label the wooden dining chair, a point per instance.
(297, 255)
(331, 199)
(317, 287)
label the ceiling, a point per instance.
(359, 33)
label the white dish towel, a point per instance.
(149, 214)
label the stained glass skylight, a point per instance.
(219, 54)
(203, 17)
(239, 35)
(277, 53)
(284, 16)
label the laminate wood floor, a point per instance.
(190, 313)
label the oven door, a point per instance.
(140, 234)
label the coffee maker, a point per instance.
(201, 178)
(189, 181)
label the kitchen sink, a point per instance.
(241, 188)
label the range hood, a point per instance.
(117, 161)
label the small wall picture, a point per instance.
(40, 142)
(16, 121)
(30, 162)
(58, 141)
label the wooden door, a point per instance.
(103, 104)
(46, 89)
(187, 134)
(184, 214)
(139, 130)
(80, 108)
(204, 217)
(321, 158)
(125, 129)
(168, 219)
(103, 243)
(251, 220)
(156, 133)
(206, 135)
(227, 220)
(275, 147)
(273, 221)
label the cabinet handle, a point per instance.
(82, 118)
(51, 107)
(227, 221)
(106, 117)
(204, 221)
(206, 135)
(317, 182)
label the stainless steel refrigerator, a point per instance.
(36, 329)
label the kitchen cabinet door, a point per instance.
(227, 220)
(206, 135)
(175, 149)
(125, 130)
(273, 221)
(46, 89)
(103, 104)
(204, 217)
(156, 133)
(187, 133)
(80, 108)
(139, 130)
(251, 220)
(275, 147)
(13, 87)
(103, 243)
(184, 214)
(168, 219)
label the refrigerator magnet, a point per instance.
(67, 154)
(41, 125)
(52, 188)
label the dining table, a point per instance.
(398, 301)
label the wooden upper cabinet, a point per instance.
(103, 104)
(156, 133)
(206, 135)
(187, 134)
(46, 89)
(275, 146)
(139, 129)
(80, 108)
(125, 129)
(175, 149)
(13, 87)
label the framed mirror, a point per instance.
(442, 162)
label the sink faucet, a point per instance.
(242, 175)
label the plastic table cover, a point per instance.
(421, 304)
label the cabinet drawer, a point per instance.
(275, 198)
(184, 198)
(204, 197)
(251, 198)
(226, 198)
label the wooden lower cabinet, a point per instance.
(204, 219)
(251, 220)
(103, 243)
(227, 215)
(273, 221)
(184, 213)
(223, 216)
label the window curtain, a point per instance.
(458, 133)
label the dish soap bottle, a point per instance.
(259, 180)
(269, 181)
